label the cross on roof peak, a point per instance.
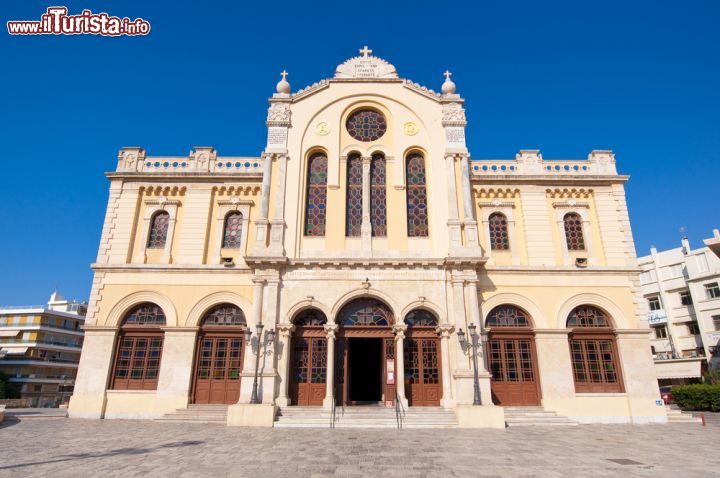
(284, 74)
(447, 75)
(365, 51)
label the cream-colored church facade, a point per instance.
(367, 240)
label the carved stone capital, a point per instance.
(400, 330)
(445, 330)
(285, 330)
(331, 330)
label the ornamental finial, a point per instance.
(365, 51)
(283, 87)
(448, 87)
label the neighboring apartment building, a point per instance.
(682, 289)
(40, 348)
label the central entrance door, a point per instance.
(219, 356)
(366, 354)
(365, 357)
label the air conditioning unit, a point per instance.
(581, 262)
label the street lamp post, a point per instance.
(474, 339)
(269, 336)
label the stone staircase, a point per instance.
(366, 416)
(216, 414)
(675, 415)
(529, 416)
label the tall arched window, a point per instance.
(574, 232)
(498, 226)
(316, 193)
(232, 231)
(593, 350)
(417, 216)
(378, 193)
(139, 349)
(353, 198)
(157, 236)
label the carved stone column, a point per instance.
(261, 223)
(472, 295)
(459, 314)
(400, 330)
(248, 373)
(277, 224)
(445, 331)
(285, 331)
(454, 223)
(331, 330)
(471, 230)
(366, 227)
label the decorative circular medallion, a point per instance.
(410, 128)
(322, 128)
(366, 125)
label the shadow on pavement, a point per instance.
(119, 451)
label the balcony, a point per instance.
(679, 368)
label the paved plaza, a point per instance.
(87, 448)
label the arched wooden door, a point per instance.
(423, 381)
(512, 358)
(219, 356)
(308, 349)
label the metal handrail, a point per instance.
(332, 413)
(399, 411)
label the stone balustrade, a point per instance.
(530, 162)
(200, 160)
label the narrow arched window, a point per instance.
(158, 230)
(139, 349)
(498, 226)
(232, 231)
(316, 205)
(574, 232)
(417, 216)
(593, 350)
(353, 198)
(378, 194)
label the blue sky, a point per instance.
(640, 78)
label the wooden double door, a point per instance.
(512, 361)
(218, 364)
(423, 380)
(309, 368)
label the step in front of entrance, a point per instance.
(364, 417)
(216, 414)
(529, 416)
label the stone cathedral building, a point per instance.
(369, 246)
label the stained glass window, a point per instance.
(316, 195)
(499, 240)
(587, 316)
(574, 232)
(310, 318)
(158, 230)
(378, 193)
(225, 314)
(421, 318)
(417, 216)
(366, 125)
(507, 316)
(353, 202)
(145, 314)
(233, 230)
(366, 312)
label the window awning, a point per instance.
(9, 333)
(679, 368)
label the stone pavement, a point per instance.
(88, 448)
